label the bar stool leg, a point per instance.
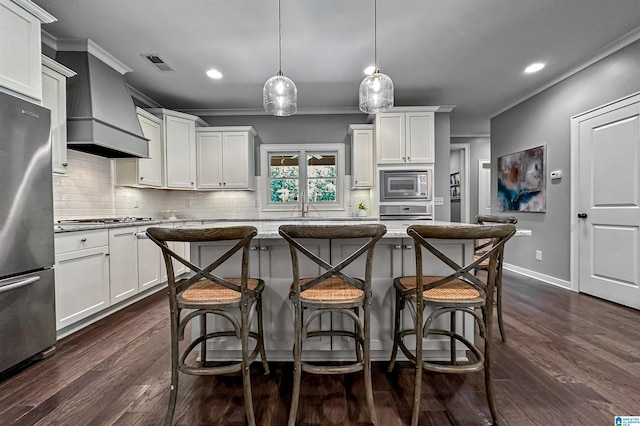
(417, 389)
(263, 355)
(396, 330)
(203, 345)
(499, 306)
(173, 390)
(297, 364)
(368, 385)
(246, 376)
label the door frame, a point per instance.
(465, 208)
(481, 163)
(574, 268)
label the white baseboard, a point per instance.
(538, 276)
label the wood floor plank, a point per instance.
(570, 359)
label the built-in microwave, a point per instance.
(405, 185)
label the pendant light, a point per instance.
(280, 95)
(376, 90)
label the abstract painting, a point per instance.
(521, 181)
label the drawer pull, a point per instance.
(19, 284)
(83, 240)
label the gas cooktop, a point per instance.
(103, 220)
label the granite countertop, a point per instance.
(267, 228)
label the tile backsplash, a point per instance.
(87, 191)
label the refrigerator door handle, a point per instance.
(19, 284)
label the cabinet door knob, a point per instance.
(582, 215)
(264, 248)
(253, 248)
(408, 247)
(64, 164)
(224, 183)
(141, 178)
(83, 240)
(397, 246)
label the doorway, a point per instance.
(605, 144)
(484, 187)
(459, 182)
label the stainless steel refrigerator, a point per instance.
(27, 298)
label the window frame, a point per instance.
(336, 149)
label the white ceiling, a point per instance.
(468, 53)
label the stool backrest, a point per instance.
(296, 234)
(481, 245)
(426, 236)
(241, 234)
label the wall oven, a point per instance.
(405, 185)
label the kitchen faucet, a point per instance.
(304, 206)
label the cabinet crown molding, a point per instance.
(44, 16)
(57, 66)
(249, 129)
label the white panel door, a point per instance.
(123, 263)
(390, 138)
(484, 187)
(150, 261)
(179, 139)
(235, 160)
(209, 159)
(609, 205)
(420, 137)
(150, 169)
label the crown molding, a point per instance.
(260, 111)
(625, 40)
(48, 40)
(135, 93)
(87, 45)
(479, 135)
(56, 66)
(44, 16)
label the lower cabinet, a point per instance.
(150, 261)
(82, 275)
(123, 263)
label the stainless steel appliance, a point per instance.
(405, 185)
(406, 212)
(27, 298)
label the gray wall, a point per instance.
(545, 119)
(296, 129)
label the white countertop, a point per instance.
(269, 228)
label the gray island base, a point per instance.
(271, 261)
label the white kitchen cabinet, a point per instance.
(123, 263)
(144, 172)
(20, 67)
(54, 97)
(405, 136)
(150, 261)
(225, 157)
(362, 156)
(179, 147)
(82, 275)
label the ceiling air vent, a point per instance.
(158, 62)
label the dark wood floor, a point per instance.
(570, 359)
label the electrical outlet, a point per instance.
(438, 201)
(538, 254)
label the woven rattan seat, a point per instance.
(455, 290)
(458, 294)
(201, 294)
(206, 291)
(482, 246)
(333, 292)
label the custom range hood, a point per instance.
(101, 115)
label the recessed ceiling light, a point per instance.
(214, 73)
(369, 70)
(534, 68)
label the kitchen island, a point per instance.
(270, 260)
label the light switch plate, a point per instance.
(438, 201)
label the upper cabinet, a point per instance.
(362, 156)
(144, 172)
(20, 67)
(179, 132)
(405, 136)
(54, 97)
(225, 157)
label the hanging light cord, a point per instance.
(279, 41)
(375, 35)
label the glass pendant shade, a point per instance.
(280, 96)
(376, 93)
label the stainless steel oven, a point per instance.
(405, 185)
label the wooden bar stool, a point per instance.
(204, 293)
(459, 292)
(481, 248)
(332, 292)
